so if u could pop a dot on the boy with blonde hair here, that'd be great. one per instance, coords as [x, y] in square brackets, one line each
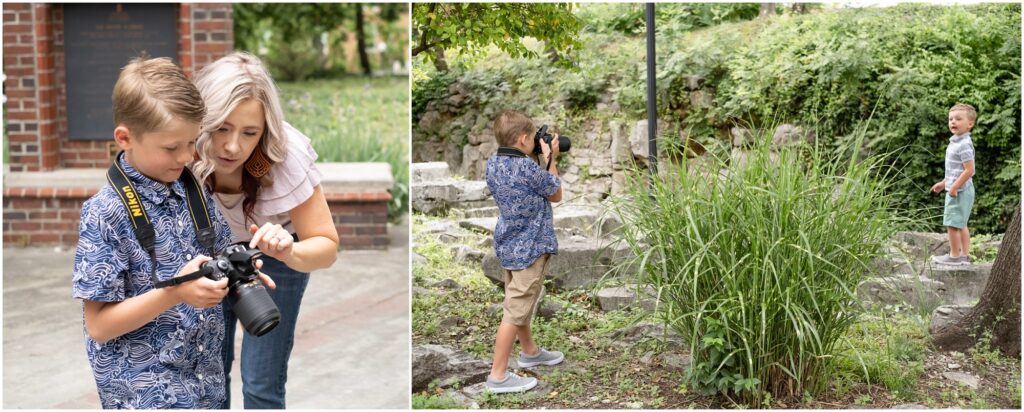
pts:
[151, 346]
[959, 185]
[524, 240]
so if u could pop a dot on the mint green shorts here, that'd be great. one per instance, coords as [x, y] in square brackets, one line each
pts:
[958, 209]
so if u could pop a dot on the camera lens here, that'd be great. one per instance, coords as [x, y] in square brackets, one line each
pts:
[254, 308]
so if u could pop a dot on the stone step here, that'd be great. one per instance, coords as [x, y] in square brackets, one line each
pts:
[436, 197]
[580, 263]
[938, 285]
[962, 283]
[570, 220]
[429, 172]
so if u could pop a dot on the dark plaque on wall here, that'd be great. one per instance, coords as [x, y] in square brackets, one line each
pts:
[99, 39]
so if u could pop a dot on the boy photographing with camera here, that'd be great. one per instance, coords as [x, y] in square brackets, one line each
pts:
[524, 240]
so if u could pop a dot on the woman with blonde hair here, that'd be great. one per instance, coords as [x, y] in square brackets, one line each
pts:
[265, 182]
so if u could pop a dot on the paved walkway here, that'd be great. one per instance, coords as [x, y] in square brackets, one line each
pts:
[351, 349]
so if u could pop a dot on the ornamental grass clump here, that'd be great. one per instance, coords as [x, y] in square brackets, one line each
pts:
[758, 264]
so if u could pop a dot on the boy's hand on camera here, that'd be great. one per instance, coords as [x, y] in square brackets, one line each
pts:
[203, 292]
[555, 148]
[938, 187]
[272, 240]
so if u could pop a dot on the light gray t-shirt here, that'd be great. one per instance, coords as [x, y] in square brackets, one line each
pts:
[294, 180]
[960, 150]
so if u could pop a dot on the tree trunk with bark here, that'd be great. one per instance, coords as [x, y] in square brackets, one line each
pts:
[998, 310]
[364, 61]
[767, 9]
[439, 62]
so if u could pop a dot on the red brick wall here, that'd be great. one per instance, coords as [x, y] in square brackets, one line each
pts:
[360, 219]
[34, 65]
[49, 216]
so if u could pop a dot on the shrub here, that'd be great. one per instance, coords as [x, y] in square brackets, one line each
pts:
[759, 266]
[899, 68]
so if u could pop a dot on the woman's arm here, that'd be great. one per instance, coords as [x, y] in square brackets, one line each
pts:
[318, 247]
[313, 223]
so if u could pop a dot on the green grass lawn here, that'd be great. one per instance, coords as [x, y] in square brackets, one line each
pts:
[356, 119]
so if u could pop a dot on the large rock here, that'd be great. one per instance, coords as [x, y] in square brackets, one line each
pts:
[788, 135]
[946, 315]
[741, 137]
[580, 263]
[701, 99]
[917, 291]
[923, 245]
[447, 365]
[638, 143]
[620, 148]
[622, 297]
[474, 159]
[633, 334]
[694, 82]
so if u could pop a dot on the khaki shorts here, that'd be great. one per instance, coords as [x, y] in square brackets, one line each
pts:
[523, 289]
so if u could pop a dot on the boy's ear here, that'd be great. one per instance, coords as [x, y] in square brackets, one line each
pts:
[524, 139]
[123, 137]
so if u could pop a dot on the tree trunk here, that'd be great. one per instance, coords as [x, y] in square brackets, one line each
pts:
[364, 61]
[439, 62]
[767, 9]
[998, 310]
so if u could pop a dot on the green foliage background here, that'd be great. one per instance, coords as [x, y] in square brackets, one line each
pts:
[893, 72]
[290, 37]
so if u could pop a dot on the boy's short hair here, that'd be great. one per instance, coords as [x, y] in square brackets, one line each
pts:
[971, 113]
[510, 125]
[149, 93]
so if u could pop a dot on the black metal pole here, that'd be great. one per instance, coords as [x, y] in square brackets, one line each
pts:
[652, 101]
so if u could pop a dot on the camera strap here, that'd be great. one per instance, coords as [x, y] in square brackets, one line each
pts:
[144, 232]
[513, 152]
[510, 152]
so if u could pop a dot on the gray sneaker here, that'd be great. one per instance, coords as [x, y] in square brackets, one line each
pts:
[947, 260]
[964, 260]
[542, 358]
[511, 383]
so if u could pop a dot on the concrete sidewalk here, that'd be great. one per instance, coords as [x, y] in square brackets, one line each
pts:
[351, 345]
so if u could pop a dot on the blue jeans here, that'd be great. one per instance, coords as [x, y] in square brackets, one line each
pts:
[265, 359]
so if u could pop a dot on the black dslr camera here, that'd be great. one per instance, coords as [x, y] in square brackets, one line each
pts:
[249, 298]
[543, 136]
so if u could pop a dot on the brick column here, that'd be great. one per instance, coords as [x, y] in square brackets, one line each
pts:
[32, 85]
[213, 35]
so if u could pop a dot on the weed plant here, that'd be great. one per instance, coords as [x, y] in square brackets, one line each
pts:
[758, 264]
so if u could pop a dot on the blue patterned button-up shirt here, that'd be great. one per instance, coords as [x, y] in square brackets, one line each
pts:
[174, 361]
[525, 229]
